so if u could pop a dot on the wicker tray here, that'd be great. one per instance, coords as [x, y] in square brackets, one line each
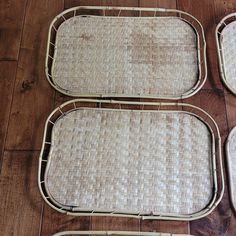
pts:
[231, 160]
[127, 233]
[226, 45]
[97, 51]
[150, 164]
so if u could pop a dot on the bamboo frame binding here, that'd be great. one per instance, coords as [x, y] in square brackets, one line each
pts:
[75, 104]
[231, 171]
[131, 233]
[226, 21]
[192, 21]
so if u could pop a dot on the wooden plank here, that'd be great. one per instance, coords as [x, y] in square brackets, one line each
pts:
[115, 223]
[73, 3]
[158, 3]
[33, 96]
[21, 204]
[7, 79]
[204, 11]
[53, 222]
[165, 226]
[223, 8]
[230, 225]
[130, 3]
[230, 100]
[217, 223]
[11, 24]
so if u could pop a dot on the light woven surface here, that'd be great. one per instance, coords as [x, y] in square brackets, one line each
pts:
[114, 233]
[130, 161]
[232, 164]
[123, 55]
[228, 44]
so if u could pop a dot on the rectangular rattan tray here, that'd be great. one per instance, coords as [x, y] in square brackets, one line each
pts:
[226, 45]
[100, 52]
[148, 163]
[116, 233]
[231, 161]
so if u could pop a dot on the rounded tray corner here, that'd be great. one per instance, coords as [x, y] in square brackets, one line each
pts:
[224, 63]
[231, 164]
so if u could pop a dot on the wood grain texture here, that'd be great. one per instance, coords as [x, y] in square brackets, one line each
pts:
[165, 226]
[33, 96]
[21, 204]
[53, 222]
[230, 100]
[114, 223]
[73, 3]
[158, 3]
[223, 8]
[11, 24]
[7, 79]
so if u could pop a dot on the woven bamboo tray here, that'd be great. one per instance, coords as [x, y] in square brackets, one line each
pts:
[231, 161]
[115, 159]
[100, 52]
[131, 233]
[226, 46]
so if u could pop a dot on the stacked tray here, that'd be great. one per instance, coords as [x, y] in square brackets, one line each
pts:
[231, 161]
[118, 158]
[116, 233]
[226, 45]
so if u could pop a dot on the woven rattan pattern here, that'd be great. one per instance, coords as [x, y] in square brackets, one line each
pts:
[130, 160]
[232, 164]
[124, 55]
[228, 44]
[116, 233]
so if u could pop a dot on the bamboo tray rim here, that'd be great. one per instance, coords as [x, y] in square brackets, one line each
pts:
[134, 233]
[223, 24]
[201, 49]
[216, 146]
[230, 171]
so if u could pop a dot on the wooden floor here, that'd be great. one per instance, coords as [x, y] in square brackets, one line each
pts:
[27, 99]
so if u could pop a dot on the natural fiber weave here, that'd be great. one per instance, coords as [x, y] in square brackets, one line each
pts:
[126, 233]
[231, 156]
[138, 161]
[132, 56]
[228, 45]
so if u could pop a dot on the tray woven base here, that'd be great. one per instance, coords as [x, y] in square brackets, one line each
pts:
[126, 56]
[116, 233]
[231, 159]
[228, 44]
[130, 161]
[226, 47]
